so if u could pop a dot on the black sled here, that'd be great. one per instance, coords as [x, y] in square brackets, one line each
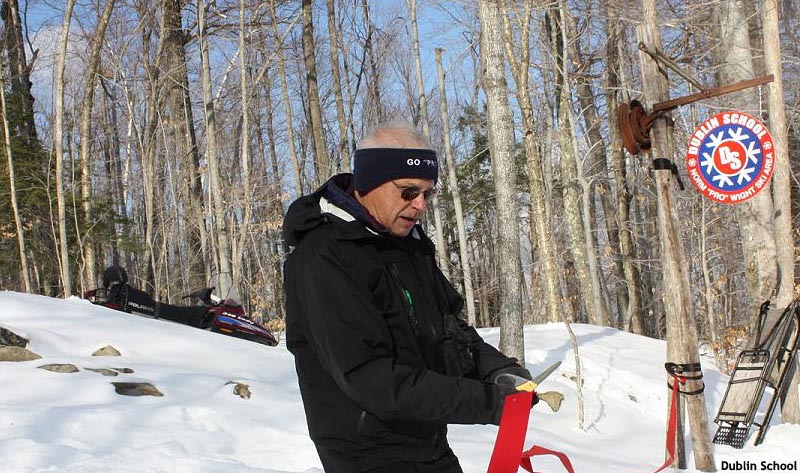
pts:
[208, 312]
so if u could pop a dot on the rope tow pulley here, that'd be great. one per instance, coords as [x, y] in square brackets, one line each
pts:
[635, 122]
[634, 127]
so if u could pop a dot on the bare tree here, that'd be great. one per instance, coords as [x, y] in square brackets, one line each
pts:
[441, 241]
[66, 276]
[374, 80]
[223, 256]
[179, 118]
[575, 188]
[287, 104]
[344, 141]
[781, 186]
[463, 243]
[754, 216]
[321, 160]
[238, 263]
[500, 126]
[540, 222]
[631, 312]
[90, 83]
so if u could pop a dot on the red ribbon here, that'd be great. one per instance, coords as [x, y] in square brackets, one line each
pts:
[537, 450]
[507, 456]
[672, 423]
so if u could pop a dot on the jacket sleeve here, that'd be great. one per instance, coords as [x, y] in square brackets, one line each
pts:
[343, 322]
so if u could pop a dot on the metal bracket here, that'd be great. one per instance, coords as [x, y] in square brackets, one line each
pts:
[635, 122]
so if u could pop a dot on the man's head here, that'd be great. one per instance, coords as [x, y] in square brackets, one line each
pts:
[395, 172]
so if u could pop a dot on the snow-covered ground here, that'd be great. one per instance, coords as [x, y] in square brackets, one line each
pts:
[75, 422]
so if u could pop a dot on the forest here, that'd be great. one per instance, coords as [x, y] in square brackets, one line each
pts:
[170, 136]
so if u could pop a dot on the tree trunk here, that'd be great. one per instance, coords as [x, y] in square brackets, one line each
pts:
[575, 188]
[596, 175]
[315, 111]
[238, 263]
[66, 276]
[678, 303]
[441, 241]
[463, 244]
[220, 228]
[114, 169]
[277, 246]
[781, 186]
[344, 142]
[148, 157]
[631, 313]
[709, 294]
[540, 221]
[90, 83]
[374, 82]
[181, 128]
[754, 216]
[500, 126]
[287, 104]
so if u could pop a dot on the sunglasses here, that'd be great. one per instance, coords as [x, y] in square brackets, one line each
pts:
[409, 193]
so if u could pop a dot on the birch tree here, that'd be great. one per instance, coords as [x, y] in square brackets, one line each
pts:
[89, 85]
[500, 126]
[216, 191]
[63, 246]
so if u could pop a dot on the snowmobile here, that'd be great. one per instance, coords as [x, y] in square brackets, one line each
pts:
[204, 310]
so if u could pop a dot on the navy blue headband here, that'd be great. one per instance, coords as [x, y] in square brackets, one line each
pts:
[374, 166]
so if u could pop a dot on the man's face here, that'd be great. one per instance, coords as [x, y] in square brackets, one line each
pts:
[398, 204]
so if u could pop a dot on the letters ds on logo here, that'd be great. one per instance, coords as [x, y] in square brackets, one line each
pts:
[730, 157]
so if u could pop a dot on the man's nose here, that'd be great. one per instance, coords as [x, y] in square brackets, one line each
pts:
[419, 202]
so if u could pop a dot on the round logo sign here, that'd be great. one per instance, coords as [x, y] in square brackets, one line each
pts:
[730, 157]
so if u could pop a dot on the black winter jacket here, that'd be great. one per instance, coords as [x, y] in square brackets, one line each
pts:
[383, 361]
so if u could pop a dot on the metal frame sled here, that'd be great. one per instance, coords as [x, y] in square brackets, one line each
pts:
[768, 365]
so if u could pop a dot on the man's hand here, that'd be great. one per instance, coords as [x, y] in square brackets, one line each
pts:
[515, 379]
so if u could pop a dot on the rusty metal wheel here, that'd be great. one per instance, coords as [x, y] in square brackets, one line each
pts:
[634, 127]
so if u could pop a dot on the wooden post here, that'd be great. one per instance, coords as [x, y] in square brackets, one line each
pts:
[681, 332]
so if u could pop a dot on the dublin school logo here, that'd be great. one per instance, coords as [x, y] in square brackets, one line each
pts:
[730, 157]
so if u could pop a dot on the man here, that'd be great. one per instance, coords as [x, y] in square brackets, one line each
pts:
[383, 361]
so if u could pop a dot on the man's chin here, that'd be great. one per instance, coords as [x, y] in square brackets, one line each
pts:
[403, 227]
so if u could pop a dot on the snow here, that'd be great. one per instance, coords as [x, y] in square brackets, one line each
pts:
[59, 422]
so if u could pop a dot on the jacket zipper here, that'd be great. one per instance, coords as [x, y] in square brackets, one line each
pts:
[412, 313]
